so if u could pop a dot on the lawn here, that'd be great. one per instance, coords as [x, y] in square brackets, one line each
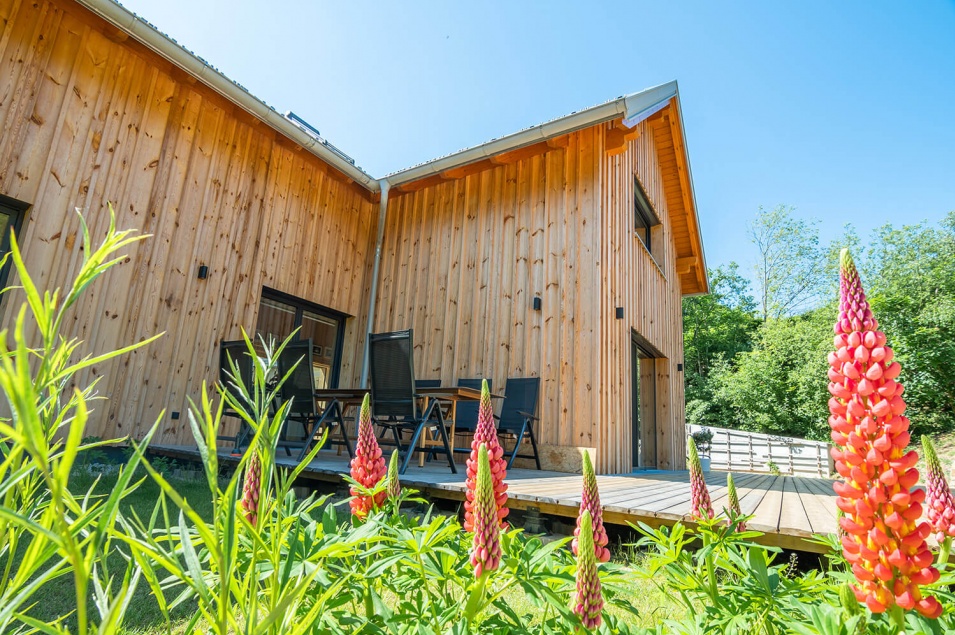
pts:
[143, 617]
[57, 598]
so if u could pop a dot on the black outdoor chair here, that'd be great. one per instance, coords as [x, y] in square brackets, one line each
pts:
[518, 416]
[295, 360]
[466, 413]
[394, 402]
[238, 352]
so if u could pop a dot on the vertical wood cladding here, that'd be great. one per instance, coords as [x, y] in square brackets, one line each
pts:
[86, 119]
[89, 116]
[650, 293]
[463, 260]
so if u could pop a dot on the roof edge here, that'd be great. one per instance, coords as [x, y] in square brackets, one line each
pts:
[634, 108]
[150, 37]
[703, 272]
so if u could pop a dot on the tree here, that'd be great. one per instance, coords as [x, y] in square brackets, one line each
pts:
[912, 274]
[769, 375]
[717, 327]
[790, 265]
[780, 386]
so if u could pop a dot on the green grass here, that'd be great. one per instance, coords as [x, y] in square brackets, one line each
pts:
[143, 617]
[58, 597]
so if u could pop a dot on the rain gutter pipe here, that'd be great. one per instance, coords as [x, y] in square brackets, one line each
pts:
[384, 188]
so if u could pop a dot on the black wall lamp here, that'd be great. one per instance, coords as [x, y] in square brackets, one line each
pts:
[203, 272]
[679, 368]
[619, 312]
[537, 303]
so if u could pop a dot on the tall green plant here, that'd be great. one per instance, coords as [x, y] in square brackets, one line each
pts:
[269, 573]
[45, 531]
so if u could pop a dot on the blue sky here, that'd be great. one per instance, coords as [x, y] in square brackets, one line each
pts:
[845, 110]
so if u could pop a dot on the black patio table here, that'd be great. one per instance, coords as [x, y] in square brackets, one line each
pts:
[337, 401]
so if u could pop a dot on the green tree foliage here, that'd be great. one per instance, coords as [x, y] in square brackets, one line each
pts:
[780, 386]
[717, 327]
[769, 375]
[911, 276]
[790, 264]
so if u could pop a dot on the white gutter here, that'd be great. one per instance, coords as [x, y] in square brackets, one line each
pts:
[384, 187]
[634, 108]
[147, 35]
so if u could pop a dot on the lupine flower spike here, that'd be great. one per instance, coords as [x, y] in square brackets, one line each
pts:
[251, 488]
[367, 466]
[486, 545]
[394, 481]
[734, 502]
[588, 602]
[941, 503]
[883, 542]
[486, 433]
[700, 504]
[590, 501]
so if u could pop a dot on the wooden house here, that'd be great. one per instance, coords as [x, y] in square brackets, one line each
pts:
[561, 251]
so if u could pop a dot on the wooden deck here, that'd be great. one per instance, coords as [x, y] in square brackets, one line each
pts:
[789, 510]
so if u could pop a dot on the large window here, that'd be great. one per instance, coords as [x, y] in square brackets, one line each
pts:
[280, 314]
[646, 223]
[12, 212]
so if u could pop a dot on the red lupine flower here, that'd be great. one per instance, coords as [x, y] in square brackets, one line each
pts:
[590, 501]
[734, 502]
[486, 433]
[367, 466]
[700, 504]
[883, 542]
[588, 602]
[251, 488]
[486, 545]
[941, 503]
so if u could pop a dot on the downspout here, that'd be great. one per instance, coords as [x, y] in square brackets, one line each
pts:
[382, 213]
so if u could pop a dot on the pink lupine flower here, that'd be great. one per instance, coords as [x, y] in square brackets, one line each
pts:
[883, 541]
[590, 501]
[941, 503]
[734, 502]
[486, 433]
[486, 545]
[367, 466]
[700, 504]
[588, 601]
[251, 488]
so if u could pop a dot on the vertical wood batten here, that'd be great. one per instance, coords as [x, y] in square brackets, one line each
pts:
[652, 307]
[85, 120]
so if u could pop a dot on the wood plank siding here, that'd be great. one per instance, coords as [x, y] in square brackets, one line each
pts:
[463, 260]
[89, 116]
[91, 112]
[464, 257]
[649, 291]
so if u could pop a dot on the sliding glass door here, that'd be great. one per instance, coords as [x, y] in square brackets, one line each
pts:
[280, 314]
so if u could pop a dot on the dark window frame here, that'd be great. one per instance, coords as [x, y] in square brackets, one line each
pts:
[301, 305]
[644, 216]
[18, 212]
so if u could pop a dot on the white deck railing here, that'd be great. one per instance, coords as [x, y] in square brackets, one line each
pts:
[740, 451]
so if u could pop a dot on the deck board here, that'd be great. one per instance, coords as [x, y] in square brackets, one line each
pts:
[792, 511]
[789, 510]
